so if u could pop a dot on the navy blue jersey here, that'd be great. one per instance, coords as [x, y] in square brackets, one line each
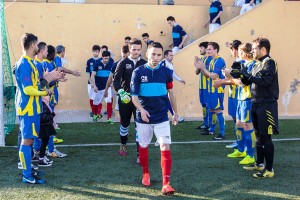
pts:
[102, 74]
[90, 66]
[150, 85]
[177, 34]
[214, 10]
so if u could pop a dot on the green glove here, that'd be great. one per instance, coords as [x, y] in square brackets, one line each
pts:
[125, 96]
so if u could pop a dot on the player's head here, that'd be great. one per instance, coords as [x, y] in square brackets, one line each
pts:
[96, 50]
[135, 48]
[51, 53]
[260, 47]
[245, 51]
[104, 48]
[61, 50]
[105, 57]
[29, 43]
[42, 50]
[212, 49]
[124, 51]
[168, 54]
[154, 54]
[145, 37]
[171, 21]
[203, 46]
[127, 40]
[234, 47]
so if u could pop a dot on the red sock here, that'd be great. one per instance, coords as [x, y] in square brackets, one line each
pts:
[109, 110]
[94, 109]
[144, 159]
[166, 165]
[91, 104]
[99, 108]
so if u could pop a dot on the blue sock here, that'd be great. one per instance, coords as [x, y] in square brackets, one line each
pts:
[221, 121]
[212, 122]
[250, 142]
[36, 144]
[25, 158]
[51, 144]
[205, 115]
[240, 139]
[235, 128]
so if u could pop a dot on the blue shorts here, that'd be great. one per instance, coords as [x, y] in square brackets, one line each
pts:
[244, 111]
[29, 126]
[215, 101]
[232, 106]
[203, 93]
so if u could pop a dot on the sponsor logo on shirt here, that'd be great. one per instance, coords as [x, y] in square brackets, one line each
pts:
[128, 66]
[144, 78]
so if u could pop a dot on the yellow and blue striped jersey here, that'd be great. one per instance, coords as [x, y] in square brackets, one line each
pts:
[215, 66]
[27, 75]
[244, 92]
[203, 81]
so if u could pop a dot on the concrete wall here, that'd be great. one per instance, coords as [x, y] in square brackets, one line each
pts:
[79, 26]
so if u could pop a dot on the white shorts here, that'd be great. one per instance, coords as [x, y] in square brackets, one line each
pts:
[98, 97]
[90, 91]
[175, 50]
[213, 27]
[246, 8]
[145, 133]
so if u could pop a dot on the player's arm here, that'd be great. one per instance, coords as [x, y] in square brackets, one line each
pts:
[93, 82]
[173, 102]
[68, 71]
[108, 84]
[201, 66]
[176, 77]
[118, 75]
[198, 71]
[184, 38]
[216, 18]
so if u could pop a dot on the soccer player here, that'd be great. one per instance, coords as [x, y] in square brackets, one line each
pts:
[203, 89]
[168, 55]
[89, 68]
[146, 39]
[121, 82]
[215, 12]
[215, 95]
[179, 36]
[99, 78]
[127, 40]
[28, 104]
[105, 48]
[244, 132]
[150, 85]
[265, 93]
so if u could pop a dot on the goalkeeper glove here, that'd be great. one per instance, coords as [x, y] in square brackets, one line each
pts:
[125, 96]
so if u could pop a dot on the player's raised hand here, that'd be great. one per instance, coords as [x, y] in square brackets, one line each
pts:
[218, 83]
[175, 119]
[53, 75]
[145, 115]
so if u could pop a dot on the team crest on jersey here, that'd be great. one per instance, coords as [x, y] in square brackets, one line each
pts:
[144, 78]
[91, 64]
[128, 66]
[100, 67]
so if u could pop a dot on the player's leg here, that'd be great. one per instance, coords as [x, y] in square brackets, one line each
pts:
[163, 135]
[219, 111]
[98, 105]
[145, 134]
[109, 104]
[232, 110]
[91, 94]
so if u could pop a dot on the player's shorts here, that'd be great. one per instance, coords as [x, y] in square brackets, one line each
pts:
[29, 126]
[203, 96]
[243, 111]
[215, 101]
[162, 133]
[175, 50]
[213, 27]
[98, 97]
[265, 118]
[232, 106]
[90, 91]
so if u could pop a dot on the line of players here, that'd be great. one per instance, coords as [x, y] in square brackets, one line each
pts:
[253, 67]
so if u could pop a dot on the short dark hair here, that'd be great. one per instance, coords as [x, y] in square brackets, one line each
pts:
[104, 47]
[96, 47]
[203, 44]
[27, 39]
[41, 46]
[105, 54]
[135, 41]
[214, 45]
[51, 53]
[125, 49]
[167, 52]
[145, 35]
[170, 18]
[127, 38]
[156, 45]
[247, 48]
[263, 42]
[235, 44]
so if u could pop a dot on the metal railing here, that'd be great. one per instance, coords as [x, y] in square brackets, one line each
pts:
[143, 2]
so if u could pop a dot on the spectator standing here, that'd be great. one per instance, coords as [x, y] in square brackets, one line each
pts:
[178, 34]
